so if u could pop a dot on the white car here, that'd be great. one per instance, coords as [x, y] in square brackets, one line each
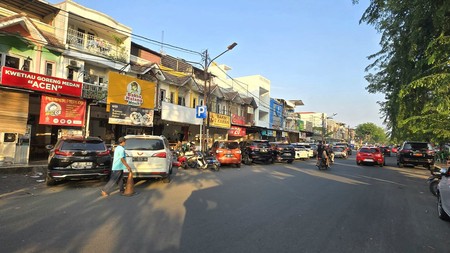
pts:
[301, 152]
[149, 156]
[307, 147]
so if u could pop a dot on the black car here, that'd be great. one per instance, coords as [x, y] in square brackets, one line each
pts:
[415, 153]
[256, 150]
[282, 152]
[78, 158]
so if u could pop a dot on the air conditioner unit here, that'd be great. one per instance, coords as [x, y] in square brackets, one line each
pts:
[73, 63]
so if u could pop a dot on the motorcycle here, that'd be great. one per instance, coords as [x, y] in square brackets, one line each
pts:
[198, 160]
[433, 181]
[323, 164]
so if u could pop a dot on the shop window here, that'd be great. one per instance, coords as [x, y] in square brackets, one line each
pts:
[26, 64]
[101, 80]
[70, 73]
[49, 68]
[162, 95]
[172, 95]
[80, 37]
[201, 102]
[12, 62]
[181, 101]
[194, 102]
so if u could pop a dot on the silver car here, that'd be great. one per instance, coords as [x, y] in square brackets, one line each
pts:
[149, 156]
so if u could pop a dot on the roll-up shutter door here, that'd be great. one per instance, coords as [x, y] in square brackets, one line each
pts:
[13, 112]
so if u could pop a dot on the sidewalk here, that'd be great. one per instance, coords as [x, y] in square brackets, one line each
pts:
[32, 166]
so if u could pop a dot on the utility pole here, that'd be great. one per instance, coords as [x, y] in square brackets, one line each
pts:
[207, 89]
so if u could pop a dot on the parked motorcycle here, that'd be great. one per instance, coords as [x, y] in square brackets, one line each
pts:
[433, 181]
[198, 160]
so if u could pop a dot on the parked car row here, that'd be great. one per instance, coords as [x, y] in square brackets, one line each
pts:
[74, 158]
[151, 156]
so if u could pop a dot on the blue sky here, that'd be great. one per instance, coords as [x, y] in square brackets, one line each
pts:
[313, 50]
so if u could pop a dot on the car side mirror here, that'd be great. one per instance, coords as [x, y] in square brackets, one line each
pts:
[49, 147]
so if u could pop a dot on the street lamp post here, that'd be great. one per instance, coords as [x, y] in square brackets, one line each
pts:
[208, 90]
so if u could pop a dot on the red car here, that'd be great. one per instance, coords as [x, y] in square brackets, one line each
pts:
[394, 149]
[371, 155]
[227, 152]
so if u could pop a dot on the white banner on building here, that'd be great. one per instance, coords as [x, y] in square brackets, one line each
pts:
[178, 113]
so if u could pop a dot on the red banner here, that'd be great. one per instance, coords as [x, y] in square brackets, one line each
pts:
[32, 81]
[237, 131]
[61, 111]
[237, 120]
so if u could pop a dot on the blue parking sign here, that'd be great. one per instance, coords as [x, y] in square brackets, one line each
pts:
[200, 112]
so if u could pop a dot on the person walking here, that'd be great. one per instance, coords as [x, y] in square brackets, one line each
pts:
[119, 164]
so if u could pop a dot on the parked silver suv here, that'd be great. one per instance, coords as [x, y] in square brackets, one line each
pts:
[149, 156]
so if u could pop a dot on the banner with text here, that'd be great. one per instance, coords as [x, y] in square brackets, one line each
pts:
[32, 81]
[219, 120]
[130, 115]
[237, 131]
[60, 111]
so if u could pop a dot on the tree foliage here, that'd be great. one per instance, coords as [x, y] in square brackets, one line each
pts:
[412, 69]
[370, 133]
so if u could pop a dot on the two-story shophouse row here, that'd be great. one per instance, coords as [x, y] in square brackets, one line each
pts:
[63, 73]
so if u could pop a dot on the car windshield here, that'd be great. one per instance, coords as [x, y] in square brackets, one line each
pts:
[229, 145]
[261, 144]
[284, 146]
[144, 144]
[368, 150]
[416, 146]
[93, 145]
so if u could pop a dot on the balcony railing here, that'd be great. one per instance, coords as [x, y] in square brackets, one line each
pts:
[95, 92]
[96, 45]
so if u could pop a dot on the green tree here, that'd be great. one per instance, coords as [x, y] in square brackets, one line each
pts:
[412, 68]
[370, 133]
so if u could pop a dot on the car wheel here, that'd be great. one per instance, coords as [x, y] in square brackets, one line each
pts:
[105, 179]
[381, 164]
[238, 165]
[166, 179]
[290, 161]
[358, 163]
[171, 170]
[49, 181]
[441, 213]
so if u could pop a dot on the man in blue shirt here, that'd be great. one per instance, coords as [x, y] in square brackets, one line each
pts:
[119, 165]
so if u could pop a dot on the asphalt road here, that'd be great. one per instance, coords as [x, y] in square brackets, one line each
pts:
[258, 208]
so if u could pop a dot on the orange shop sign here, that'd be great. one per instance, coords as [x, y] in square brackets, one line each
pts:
[127, 90]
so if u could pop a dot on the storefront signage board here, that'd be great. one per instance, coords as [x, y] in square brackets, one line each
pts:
[237, 131]
[128, 90]
[178, 113]
[219, 120]
[37, 82]
[130, 115]
[61, 111]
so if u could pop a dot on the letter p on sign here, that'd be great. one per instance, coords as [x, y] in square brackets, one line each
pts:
[200, 112]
